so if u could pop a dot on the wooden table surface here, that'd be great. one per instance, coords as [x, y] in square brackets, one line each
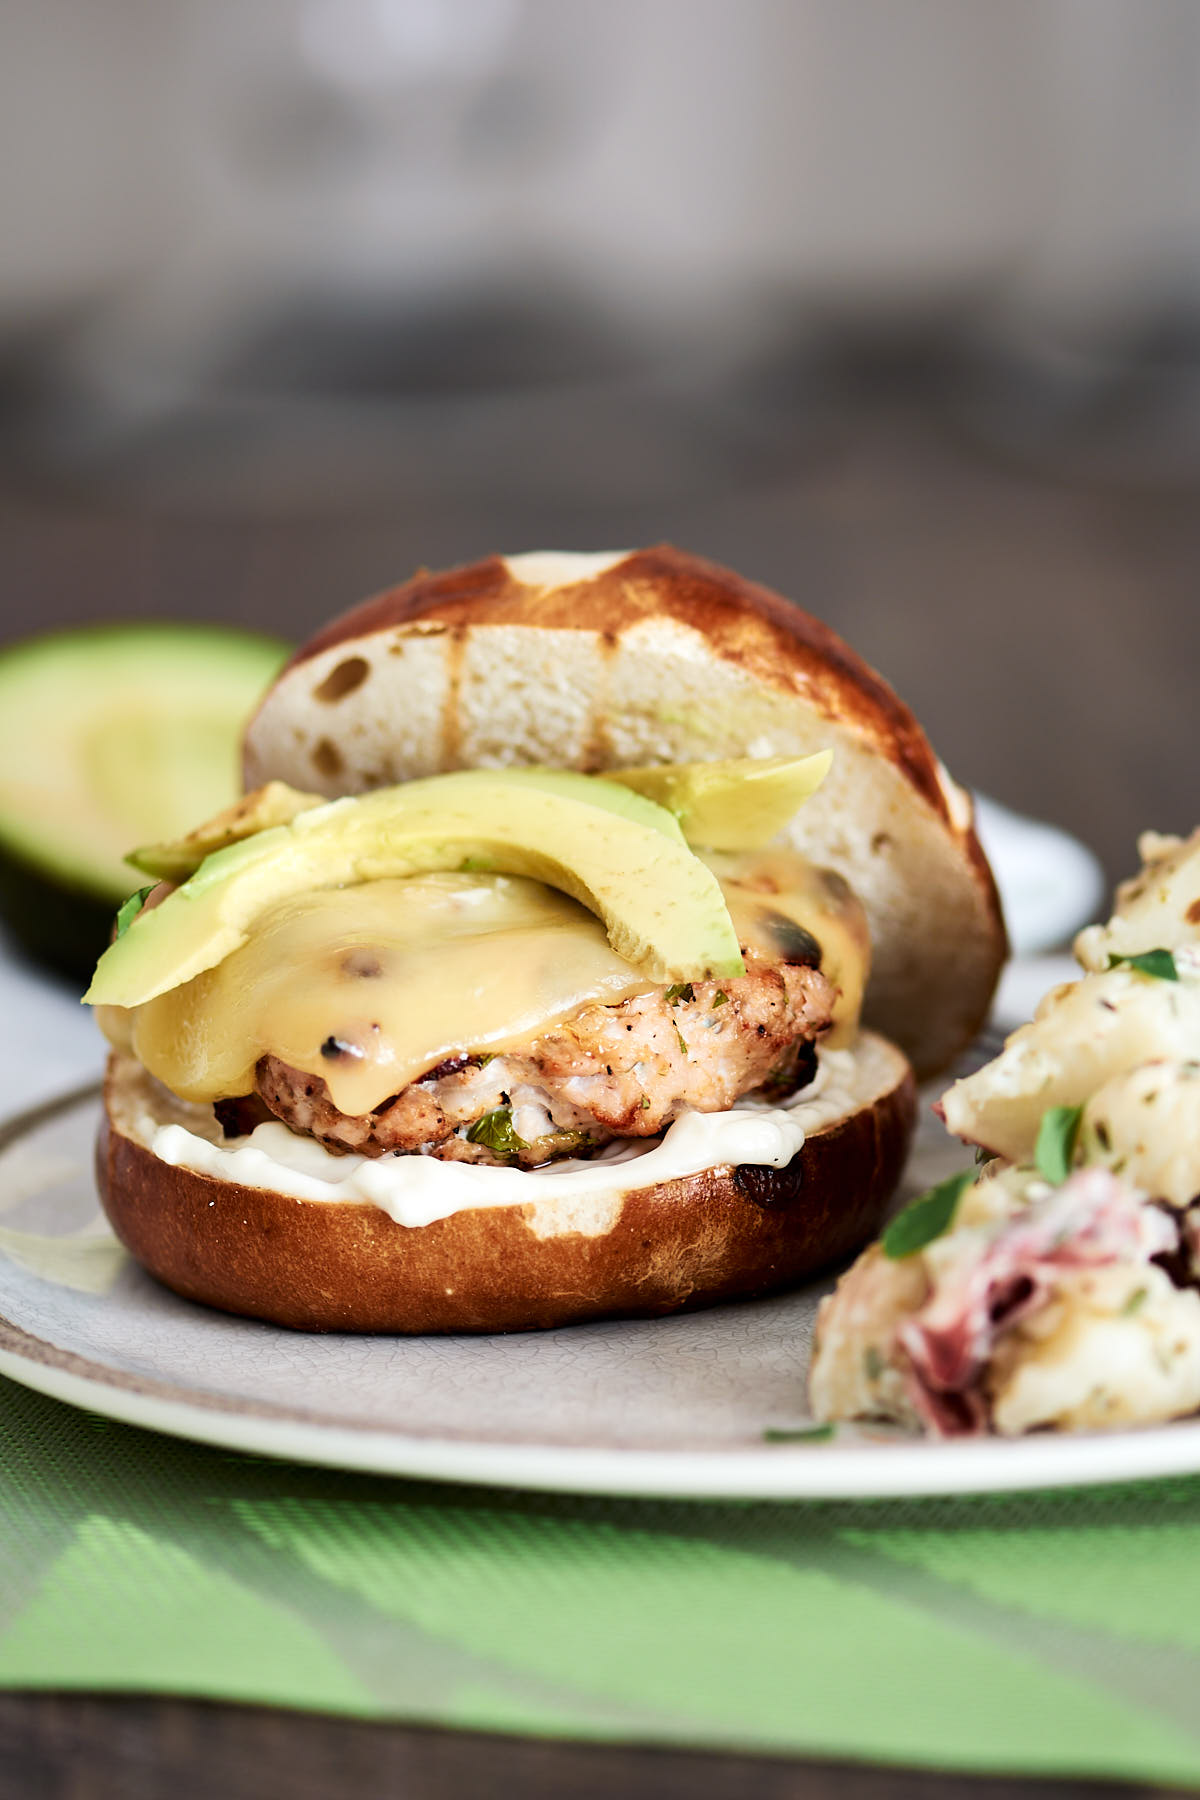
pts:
[1047, 634]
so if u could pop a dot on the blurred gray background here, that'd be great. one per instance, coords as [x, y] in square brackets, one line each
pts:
[892, 304]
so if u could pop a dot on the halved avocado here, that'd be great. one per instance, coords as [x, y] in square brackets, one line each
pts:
[112, 736]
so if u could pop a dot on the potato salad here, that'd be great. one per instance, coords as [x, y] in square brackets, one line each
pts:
[1055, 1285]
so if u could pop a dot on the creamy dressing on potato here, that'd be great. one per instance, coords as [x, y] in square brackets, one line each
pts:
[1144, 1125]
[1115, 1347]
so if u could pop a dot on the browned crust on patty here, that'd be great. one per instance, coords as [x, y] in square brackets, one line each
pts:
[316, 1266]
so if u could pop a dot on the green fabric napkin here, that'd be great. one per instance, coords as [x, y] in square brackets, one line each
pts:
[1051, 1633]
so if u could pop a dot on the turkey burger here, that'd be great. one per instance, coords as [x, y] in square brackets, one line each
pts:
[526, 984]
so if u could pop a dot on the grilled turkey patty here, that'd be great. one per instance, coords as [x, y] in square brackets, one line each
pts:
[611, 1071]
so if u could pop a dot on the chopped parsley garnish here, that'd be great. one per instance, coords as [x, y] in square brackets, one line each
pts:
[1057, 1136]
[1160, 963]
[129, 909]
[495, 1132]
[926, 1217]
[682, 1041]
[476, 865]
[680, 990]
[1135, 1302]
[807, 1434]
[720, 998]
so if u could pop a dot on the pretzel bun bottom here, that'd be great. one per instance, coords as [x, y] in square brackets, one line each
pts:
[723, 1234]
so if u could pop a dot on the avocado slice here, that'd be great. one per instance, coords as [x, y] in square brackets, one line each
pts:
[599, 790]
[613, 850]
[278, 804]
[260, 810]
[108, 736]
[739, 804]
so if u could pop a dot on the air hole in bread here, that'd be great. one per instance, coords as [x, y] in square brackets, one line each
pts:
[327, 759]
[344, 679]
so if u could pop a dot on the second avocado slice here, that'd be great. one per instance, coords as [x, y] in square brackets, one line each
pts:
[178, 858]
[735, 805]
[613, 850]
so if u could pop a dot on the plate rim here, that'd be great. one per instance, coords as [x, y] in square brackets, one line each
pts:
[800, 1471]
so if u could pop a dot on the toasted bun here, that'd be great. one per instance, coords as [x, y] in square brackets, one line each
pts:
[346, 1266]
[606, 662]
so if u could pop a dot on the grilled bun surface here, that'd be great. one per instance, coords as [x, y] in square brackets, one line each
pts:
[604, 662]
[344, 1265]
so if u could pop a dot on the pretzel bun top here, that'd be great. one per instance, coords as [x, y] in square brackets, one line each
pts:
[610, 661]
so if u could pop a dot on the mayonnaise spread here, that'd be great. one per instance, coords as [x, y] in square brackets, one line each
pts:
[417, 1190]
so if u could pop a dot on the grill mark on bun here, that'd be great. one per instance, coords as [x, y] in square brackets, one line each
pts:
[451, 720]
[597, 750]
[447, 597]
[755, 1184]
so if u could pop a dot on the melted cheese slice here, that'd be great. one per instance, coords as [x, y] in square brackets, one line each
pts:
[370, 987]
[770, 893]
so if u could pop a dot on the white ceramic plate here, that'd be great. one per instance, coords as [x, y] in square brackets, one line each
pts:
[673, 1406]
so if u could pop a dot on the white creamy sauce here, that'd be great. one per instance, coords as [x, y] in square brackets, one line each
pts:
[417, 1190]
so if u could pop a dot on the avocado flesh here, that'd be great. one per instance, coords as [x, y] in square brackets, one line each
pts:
[735, 805]
[261, 810]
[118, 735]
[110, 735]
[662, 908]
[278, 804]
[603, 791]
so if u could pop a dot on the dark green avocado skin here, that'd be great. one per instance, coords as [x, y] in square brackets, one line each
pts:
[63, 927]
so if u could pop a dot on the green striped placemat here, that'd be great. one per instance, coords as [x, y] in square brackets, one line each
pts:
[1056, 1632]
